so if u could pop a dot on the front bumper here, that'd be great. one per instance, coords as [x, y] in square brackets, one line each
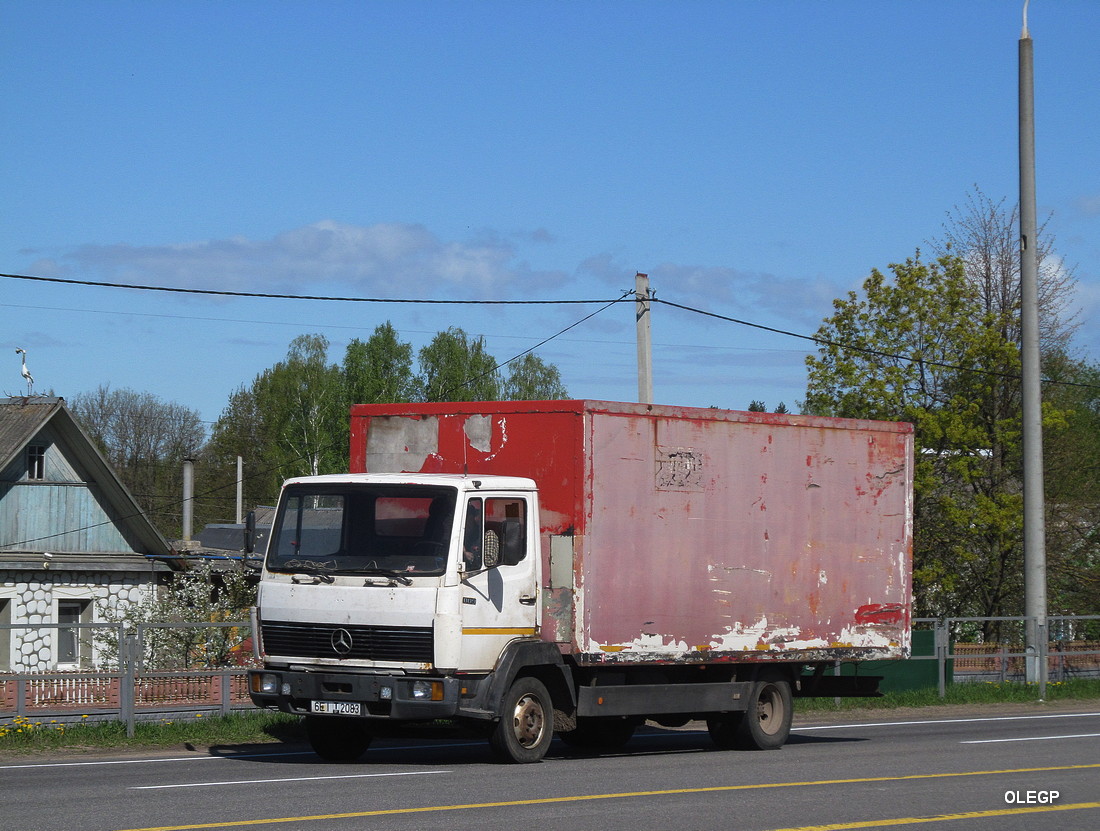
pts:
[388, 697]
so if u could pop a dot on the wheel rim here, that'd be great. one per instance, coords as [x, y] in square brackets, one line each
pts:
[528, 721]
[769, 710]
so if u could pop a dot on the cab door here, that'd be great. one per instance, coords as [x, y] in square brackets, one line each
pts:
[499, 589]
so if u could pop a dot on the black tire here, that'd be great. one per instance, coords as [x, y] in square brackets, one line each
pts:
[600, 733]
[337, 739]
[723, 729]
[526, 727]
[767, 721]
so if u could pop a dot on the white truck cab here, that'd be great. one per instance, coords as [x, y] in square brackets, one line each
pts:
[394, 596]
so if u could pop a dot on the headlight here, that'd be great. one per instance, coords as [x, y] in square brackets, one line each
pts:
[265, 682]
[427, 690]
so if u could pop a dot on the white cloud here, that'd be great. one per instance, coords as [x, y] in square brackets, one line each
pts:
[1089, 205]
[386, 260]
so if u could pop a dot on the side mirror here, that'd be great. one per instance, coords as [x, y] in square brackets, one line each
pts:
[490, 550]
[250, 533]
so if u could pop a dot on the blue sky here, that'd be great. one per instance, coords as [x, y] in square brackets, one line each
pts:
[756, 159]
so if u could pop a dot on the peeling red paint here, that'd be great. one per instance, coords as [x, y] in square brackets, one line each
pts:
[890, 614]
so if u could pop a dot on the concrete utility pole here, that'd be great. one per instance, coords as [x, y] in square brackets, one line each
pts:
[188, 498]
[645, 344]
[240, 490]
[1035, 566]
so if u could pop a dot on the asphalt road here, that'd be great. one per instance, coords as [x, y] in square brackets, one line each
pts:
[1032, 769]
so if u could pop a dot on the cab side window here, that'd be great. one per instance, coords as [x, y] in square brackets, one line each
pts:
[506, 518]
[495, 533]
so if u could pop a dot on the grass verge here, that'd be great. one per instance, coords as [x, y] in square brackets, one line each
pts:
[960, 694]
[248, 727]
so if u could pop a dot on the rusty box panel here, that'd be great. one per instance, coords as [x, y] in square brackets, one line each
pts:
[698, 535]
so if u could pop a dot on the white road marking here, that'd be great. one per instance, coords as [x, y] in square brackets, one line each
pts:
[193, 758]
[289, 779]
[1032, 738]
[941, 721]
[199, 757]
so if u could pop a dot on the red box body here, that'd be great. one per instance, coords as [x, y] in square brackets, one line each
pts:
[675, 534]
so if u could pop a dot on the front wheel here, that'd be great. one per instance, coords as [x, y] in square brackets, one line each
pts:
[526, 726]
[337, 739]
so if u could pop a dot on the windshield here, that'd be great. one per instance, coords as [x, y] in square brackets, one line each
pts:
[362, 529]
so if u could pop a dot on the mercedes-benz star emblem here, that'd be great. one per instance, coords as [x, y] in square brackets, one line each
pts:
[341, 641]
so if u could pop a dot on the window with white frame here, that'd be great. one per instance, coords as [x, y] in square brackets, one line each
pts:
[36, 461]
[74, 645]
[5, 635]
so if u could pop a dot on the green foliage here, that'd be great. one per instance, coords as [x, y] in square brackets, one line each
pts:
[239, 431]
[454, 367]
[379, 370]
[532, 379]
[301, 404]
[1072, 482]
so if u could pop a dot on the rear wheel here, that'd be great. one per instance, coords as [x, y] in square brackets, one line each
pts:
[526, 727]
[337, 739]
[767, 721]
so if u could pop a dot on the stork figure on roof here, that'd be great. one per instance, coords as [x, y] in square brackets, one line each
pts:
[26, 373]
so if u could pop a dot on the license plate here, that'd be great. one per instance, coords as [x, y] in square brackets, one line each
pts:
[336, 708]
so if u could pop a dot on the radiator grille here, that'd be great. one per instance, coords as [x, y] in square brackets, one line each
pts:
[403, 644]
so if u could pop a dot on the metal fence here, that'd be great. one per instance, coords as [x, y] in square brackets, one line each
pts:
[114, 672]
[995, 649]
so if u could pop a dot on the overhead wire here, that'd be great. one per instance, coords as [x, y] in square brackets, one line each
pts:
[274, 296]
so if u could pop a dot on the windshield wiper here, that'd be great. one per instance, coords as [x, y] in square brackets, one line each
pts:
[384, 572]
[321, 570]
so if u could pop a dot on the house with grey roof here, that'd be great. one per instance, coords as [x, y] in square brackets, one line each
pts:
[73, 540]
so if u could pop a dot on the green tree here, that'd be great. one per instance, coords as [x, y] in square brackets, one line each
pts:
[301, 406]
[239, 431]
[1071, 456]
[454, 367]
[532, 379]
[921, 347]
[380, 369]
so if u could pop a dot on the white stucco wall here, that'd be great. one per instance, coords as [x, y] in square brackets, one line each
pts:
[29, 603]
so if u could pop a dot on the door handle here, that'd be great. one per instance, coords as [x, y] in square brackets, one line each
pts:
[527, 600]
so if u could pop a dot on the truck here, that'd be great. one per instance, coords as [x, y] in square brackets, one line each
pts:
[578, 568]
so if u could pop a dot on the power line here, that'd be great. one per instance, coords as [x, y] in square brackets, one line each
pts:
[220, 293]
[867, 350]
